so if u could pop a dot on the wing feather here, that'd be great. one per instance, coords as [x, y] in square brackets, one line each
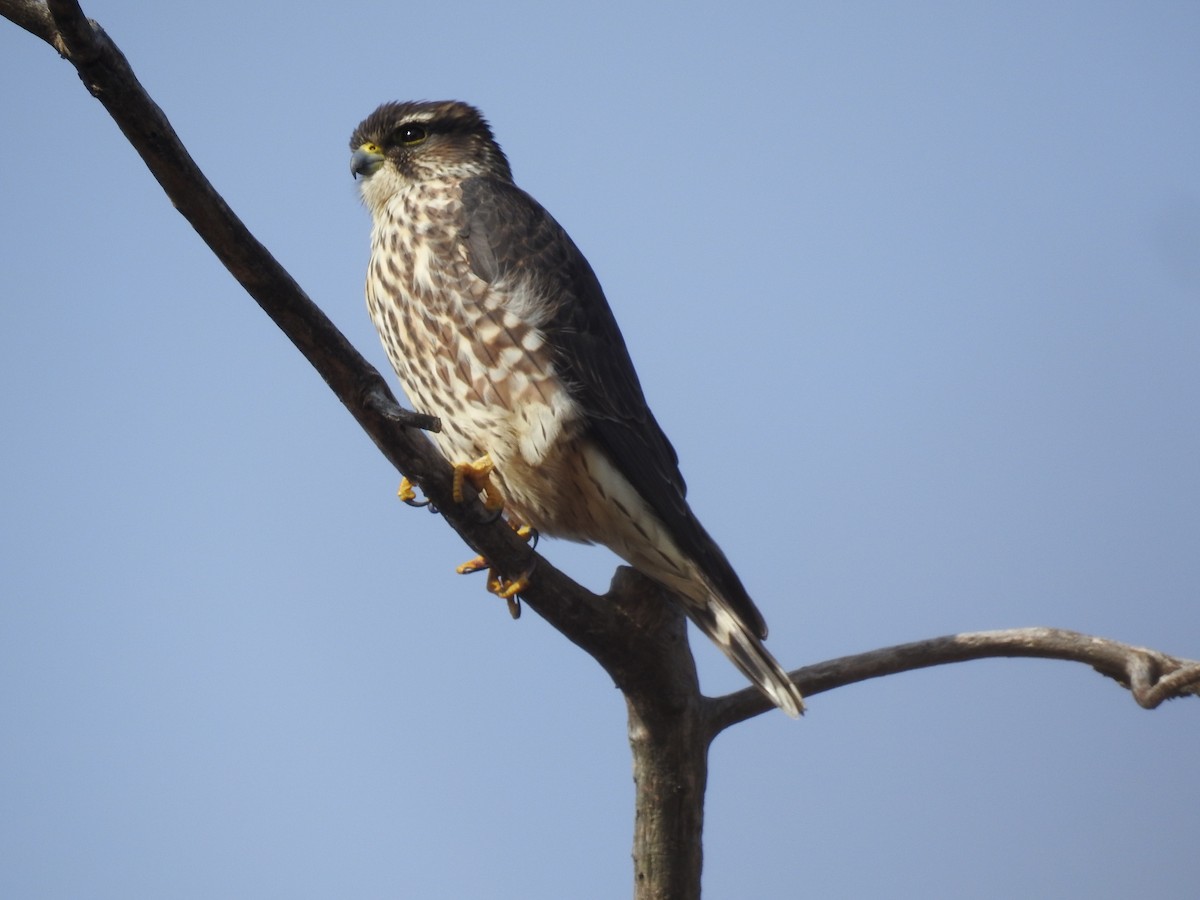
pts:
[508, 234]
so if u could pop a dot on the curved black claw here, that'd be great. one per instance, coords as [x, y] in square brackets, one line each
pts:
[491, 515]
[408, 494]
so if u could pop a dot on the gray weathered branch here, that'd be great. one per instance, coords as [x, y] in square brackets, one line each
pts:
[1151, 676]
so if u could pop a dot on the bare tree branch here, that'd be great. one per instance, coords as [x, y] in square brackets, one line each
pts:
[1151, 676]
[634, 632]
[108, 77]
[637, 637]
[34, 17]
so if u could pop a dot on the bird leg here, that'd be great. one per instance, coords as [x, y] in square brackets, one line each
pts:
[508, 590]
[405, 491]
[497, 584]
[408, 495]
[479, 474]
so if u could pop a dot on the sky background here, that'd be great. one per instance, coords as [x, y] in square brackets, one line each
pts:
[913, 288]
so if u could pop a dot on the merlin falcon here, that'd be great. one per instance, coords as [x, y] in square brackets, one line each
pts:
[495, 323]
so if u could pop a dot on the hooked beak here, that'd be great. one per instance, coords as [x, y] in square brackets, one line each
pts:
[365, 160]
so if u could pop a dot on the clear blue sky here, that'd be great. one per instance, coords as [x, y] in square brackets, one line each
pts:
[914, 289]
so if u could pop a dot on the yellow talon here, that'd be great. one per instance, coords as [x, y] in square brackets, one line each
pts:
[497, 584]
[471, 565]
[406, 492]
[510, 590]
[478, 473]
[478, 563]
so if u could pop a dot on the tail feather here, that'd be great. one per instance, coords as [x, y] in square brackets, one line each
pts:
[683, 558]
[744, 649]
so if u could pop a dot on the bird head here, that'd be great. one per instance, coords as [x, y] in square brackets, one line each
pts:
[406, 143]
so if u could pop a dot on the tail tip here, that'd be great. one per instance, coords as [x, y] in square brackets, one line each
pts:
[783, 693]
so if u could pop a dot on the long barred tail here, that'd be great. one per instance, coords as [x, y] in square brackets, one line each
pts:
[745, 650]
[685, 560]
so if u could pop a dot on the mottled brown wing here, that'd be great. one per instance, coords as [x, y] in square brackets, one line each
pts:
[508, 234]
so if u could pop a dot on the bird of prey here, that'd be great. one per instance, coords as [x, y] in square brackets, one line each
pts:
[495, 322]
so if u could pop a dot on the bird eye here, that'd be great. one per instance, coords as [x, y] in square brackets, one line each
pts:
[410, 135]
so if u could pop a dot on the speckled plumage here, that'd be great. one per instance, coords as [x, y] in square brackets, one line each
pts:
[495, 322]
